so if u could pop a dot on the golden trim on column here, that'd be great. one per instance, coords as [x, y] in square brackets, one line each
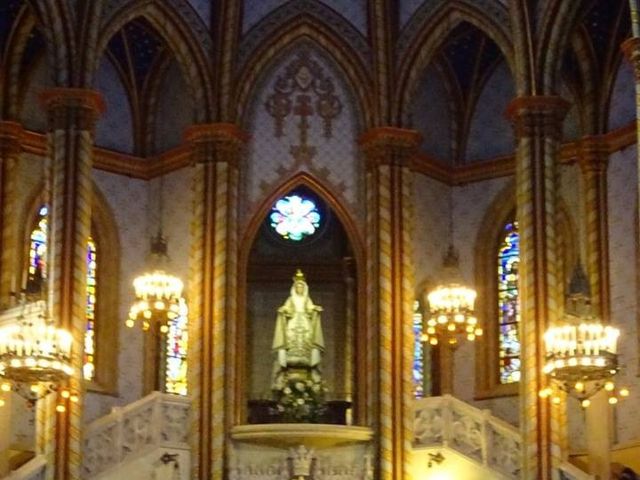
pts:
[215, 150]
[10, 151]
[388, 152]
[537, 123]
[593, 161]
[72, 117]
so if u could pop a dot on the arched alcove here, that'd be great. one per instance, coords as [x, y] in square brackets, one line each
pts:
[329, 260]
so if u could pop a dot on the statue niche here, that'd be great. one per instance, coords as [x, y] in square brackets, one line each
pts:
[298, 345]
[298, 342]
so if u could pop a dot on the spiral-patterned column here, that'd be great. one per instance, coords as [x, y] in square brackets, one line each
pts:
[593, 161]
[538, 126]
[72, 116]
[389, 152]
[10, 150]
[216, 149]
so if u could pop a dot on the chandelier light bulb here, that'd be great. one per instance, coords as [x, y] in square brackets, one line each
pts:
[585, 403]
[624, 392]
[613, 400]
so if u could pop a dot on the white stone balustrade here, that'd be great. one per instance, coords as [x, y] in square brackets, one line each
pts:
[571, 472]
[34, 469]
[448, 422]
[158, 420]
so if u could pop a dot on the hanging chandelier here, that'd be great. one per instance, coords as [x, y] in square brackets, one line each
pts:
[451, 306]
[158, 293]
[35, 356]
[581, 357]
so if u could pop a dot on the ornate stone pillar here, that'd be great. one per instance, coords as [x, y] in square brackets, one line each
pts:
[538, 126]
[593, 160]
[10, 150]
[216, 150]
[388, 152]
[72, 117]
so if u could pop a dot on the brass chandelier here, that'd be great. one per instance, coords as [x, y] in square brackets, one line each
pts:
[35, 356]
[451, 303]
[158, 293]
[581, 357]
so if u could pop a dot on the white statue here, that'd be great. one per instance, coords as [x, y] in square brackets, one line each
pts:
[298, 341]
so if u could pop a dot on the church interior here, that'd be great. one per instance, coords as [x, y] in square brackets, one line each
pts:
[319, 239]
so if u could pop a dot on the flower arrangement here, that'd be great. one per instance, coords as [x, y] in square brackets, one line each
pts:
[301, 401]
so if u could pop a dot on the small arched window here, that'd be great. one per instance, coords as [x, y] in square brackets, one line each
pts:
[509, 304]
[37, 274]
[175, 354]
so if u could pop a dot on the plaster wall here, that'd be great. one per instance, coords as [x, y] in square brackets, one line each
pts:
[470, 206]
[127, 199]
[431, 115]
[270, 160]
[115, 128]
[31, 114]
[491, 133]
[174, 110]
[622, 107]
[623, 265]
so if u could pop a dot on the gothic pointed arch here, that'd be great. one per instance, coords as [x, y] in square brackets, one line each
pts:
[186, 36]
[252, 232]
[57, 24]
[13, 54]
[103, 316]
[332, 199]
[496, 241]
[418, 51]
[305, 30]
[558, 20]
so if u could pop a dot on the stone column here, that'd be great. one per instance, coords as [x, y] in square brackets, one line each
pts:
[593, 160]
[216, 149]
[538, 126]
[72, 117]
[388, 153]
[10, 150]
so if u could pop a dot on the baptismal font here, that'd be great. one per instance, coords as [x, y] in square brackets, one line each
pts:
[298, 346]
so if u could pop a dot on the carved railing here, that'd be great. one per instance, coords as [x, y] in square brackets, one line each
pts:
[34, 469]
[158, 420]
[567, 471]
[448, 422]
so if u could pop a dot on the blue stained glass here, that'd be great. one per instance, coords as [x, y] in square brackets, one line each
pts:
[508, 305]
[418, 353]
[176, 354]
[294, 217]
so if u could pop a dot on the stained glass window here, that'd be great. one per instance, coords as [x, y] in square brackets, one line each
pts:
[508, 304]
[89, 367]
[295, 217]
[418, 352]
[37, 271]
[176, 354]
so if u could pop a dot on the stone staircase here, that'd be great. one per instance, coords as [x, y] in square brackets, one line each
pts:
[34, 469]
[149, 439]
[491, 445]
[145, 437]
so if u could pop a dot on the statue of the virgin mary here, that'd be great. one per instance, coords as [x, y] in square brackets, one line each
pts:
[298, 342]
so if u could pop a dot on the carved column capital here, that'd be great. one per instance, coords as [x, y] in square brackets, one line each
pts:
[538, 114]
[216, 142]
[77, 107]
[389, 146]
[631, 51]
[593, 154]
[10, 138]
